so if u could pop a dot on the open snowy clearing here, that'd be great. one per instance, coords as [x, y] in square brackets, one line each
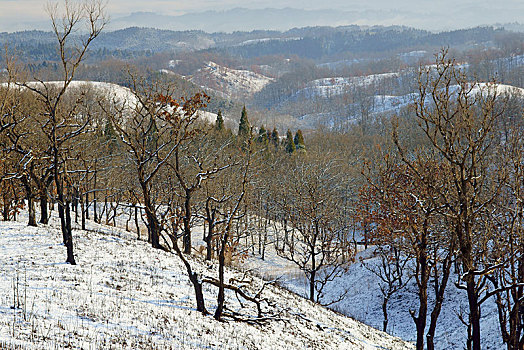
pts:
[124, 294]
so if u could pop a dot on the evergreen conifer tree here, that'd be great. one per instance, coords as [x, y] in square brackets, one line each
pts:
[299, 141]
[219, 124]
[275, 138]
[244, 128]
[262, 135]
[290, 145]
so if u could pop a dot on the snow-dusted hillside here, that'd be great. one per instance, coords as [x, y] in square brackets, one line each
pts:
[125, 295]
[363, 301]
[116, 93]
[110, 90]
[389, 104]
[265, 40]
[328, 87]
[231, 82]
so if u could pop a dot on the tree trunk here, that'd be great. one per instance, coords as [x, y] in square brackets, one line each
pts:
[420, 321]
[75, 205]
[65, 223]
[439, 299]
[5, 211]
[69, 242]
[474, 310]
[199, 295]
[152, 221]
[422, 282]
[313, 274]
[136, 222]
[82, 209]
[106, 210]
[193, 277]
[312, 277]
[208, 240]
[87, 205]
[385, 313]
[187, 223]
[30, 202]
[5, 207]
[221, 263]
[63, 211]
[44, 214]
[32, 213]
[95, 213]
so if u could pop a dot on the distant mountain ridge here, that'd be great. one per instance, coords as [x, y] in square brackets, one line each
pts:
[310, 42]
[437, 18]
[429, 15]
[238, 19]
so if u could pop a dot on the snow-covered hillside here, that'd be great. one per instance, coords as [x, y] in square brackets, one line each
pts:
[124, 294]
[328, 87]
[116, 93]
[265, 40]
[388, 104]
[231, 82]
[110, 90]
[363, 301]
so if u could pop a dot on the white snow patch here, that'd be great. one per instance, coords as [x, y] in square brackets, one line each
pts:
[263, 40]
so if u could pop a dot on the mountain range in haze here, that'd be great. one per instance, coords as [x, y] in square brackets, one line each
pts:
[430, 17]
[242, 19]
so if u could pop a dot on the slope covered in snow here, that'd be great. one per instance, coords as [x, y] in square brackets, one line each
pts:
[328, 87]
[389, 104]
[116, 93]
[231, 82]
[362, 300]
[124, 294]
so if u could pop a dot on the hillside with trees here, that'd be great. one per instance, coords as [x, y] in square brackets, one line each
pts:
[372, 175]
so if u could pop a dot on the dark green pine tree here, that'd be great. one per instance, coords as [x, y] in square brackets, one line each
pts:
[290, 145]
[262, 136]
[299, 141]
[219, 124]
[244, 128]
[275, 140]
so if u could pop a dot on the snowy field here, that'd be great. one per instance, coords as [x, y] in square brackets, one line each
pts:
[123, 294]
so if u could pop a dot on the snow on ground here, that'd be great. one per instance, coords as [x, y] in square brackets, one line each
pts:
[118, 94]
[339, 64]
[124, 294]
[328, 87]
[231, 82]
[110, 90]
[389, 104]
[265, 40]
[363, 301]
[362, 287]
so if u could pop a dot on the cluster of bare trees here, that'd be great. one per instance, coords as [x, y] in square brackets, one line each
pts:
[454, 203]
[91, 152]
[95, 153]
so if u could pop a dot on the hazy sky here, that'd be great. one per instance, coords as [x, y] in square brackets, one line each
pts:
[23, 14]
